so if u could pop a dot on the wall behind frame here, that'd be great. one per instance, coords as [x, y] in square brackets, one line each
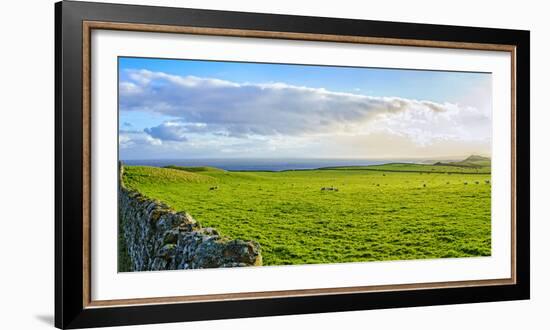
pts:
[26, 169]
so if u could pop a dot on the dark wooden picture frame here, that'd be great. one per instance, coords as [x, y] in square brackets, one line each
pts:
[74, 22]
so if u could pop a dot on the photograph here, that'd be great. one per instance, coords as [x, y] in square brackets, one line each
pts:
[234, 164]
[217, 164]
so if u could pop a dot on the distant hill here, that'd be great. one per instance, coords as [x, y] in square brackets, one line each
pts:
[212, 172]
[195, 168]
[476, 158]
[473, 161]
[159, 176]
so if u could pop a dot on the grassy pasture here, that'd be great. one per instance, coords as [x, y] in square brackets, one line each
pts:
[423, 168]
[384, 212]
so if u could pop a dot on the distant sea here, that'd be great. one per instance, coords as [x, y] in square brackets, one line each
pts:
[263, 164]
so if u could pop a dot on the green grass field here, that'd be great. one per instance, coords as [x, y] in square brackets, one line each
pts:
[383, 212]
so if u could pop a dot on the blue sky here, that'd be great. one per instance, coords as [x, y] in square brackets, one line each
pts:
[206, 109]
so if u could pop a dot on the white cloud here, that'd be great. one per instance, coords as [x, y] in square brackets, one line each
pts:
[128, 139]
[275, 116]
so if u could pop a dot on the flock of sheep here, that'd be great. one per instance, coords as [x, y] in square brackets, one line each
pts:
[332, 188]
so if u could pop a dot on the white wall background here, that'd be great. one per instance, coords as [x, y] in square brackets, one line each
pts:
[27, 168]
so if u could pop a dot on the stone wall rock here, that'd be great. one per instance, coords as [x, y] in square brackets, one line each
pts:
[158, 238]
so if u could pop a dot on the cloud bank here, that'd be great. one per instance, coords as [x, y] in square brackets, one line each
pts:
[218, 115]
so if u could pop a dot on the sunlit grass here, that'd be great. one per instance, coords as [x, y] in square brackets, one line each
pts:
[385, 212]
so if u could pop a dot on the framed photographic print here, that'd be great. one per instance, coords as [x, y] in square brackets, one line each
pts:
[214, 164]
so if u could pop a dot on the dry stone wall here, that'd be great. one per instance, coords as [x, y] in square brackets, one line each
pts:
[158, 238]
